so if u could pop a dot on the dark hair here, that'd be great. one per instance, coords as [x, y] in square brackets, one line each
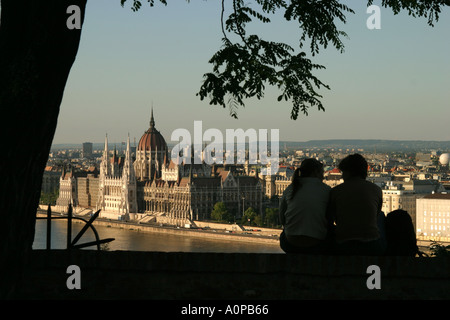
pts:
[400, 234]
[355, 165]
[308, 168]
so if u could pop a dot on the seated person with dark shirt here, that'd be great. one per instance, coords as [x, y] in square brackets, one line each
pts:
[355, 208]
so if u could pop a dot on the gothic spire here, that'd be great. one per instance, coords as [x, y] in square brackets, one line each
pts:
[128, 169]
[128, 153]
[106, 144]
[152, 121]
[105, 162]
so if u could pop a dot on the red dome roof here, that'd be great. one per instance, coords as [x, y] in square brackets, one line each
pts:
[152, 139]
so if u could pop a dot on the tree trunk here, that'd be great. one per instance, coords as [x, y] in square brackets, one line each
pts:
[37, 51]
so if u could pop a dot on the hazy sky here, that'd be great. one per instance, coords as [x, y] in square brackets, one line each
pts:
[392, 83]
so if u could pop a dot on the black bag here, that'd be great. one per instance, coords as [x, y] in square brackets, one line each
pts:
[400, 235]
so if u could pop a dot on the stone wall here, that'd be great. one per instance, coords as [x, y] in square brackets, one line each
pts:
[235, 276]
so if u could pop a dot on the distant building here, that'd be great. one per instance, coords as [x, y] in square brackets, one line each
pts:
[178, 193]
[78, 188]
[281, 183]
[396, 197]
[87, 150]
[333, 177]
[50, 179]
[151, 154]
[193, 197]
[423, 186]
[274, 185]
[117, 190]
[433, 217]
[155, 188]
[87, 190]
[67, 191]
[423, 157]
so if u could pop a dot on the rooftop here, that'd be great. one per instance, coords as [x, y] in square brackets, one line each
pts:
[442, 196]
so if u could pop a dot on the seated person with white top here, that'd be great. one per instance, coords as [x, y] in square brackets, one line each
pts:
[303, 210]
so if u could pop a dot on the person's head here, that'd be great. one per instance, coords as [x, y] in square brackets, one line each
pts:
[400, 234]
[310, 168]
[352, 166]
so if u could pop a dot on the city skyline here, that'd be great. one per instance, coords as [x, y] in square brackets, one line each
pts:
[388, 84]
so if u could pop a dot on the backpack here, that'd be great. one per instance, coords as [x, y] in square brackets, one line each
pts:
[400, 235]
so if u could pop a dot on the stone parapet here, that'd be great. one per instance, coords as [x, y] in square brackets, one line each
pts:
[197, 276]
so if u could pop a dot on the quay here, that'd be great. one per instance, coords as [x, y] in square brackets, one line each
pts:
[210, 230]
[202, 229]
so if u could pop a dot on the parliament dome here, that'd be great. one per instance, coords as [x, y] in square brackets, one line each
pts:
[152, 139]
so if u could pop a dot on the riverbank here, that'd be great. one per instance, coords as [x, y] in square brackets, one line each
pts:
[210, 231]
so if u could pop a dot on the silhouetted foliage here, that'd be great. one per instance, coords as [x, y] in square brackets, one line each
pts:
[243, 68]
[439, 250]
[416, 8]
[138, 4]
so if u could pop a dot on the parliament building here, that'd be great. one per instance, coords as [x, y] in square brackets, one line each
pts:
[151, 187]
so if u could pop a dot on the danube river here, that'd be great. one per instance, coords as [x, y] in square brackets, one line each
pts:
[146, 241]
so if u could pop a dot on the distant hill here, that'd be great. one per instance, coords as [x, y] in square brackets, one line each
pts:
[370, 145]
[62, 146]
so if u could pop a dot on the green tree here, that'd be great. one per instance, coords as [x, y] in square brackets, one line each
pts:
[220, 212]
[37, 52]
[49, 197]
[272, 217]
[249, 217]
[259, 220]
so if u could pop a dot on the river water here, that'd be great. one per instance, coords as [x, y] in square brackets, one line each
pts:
[144, 241]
